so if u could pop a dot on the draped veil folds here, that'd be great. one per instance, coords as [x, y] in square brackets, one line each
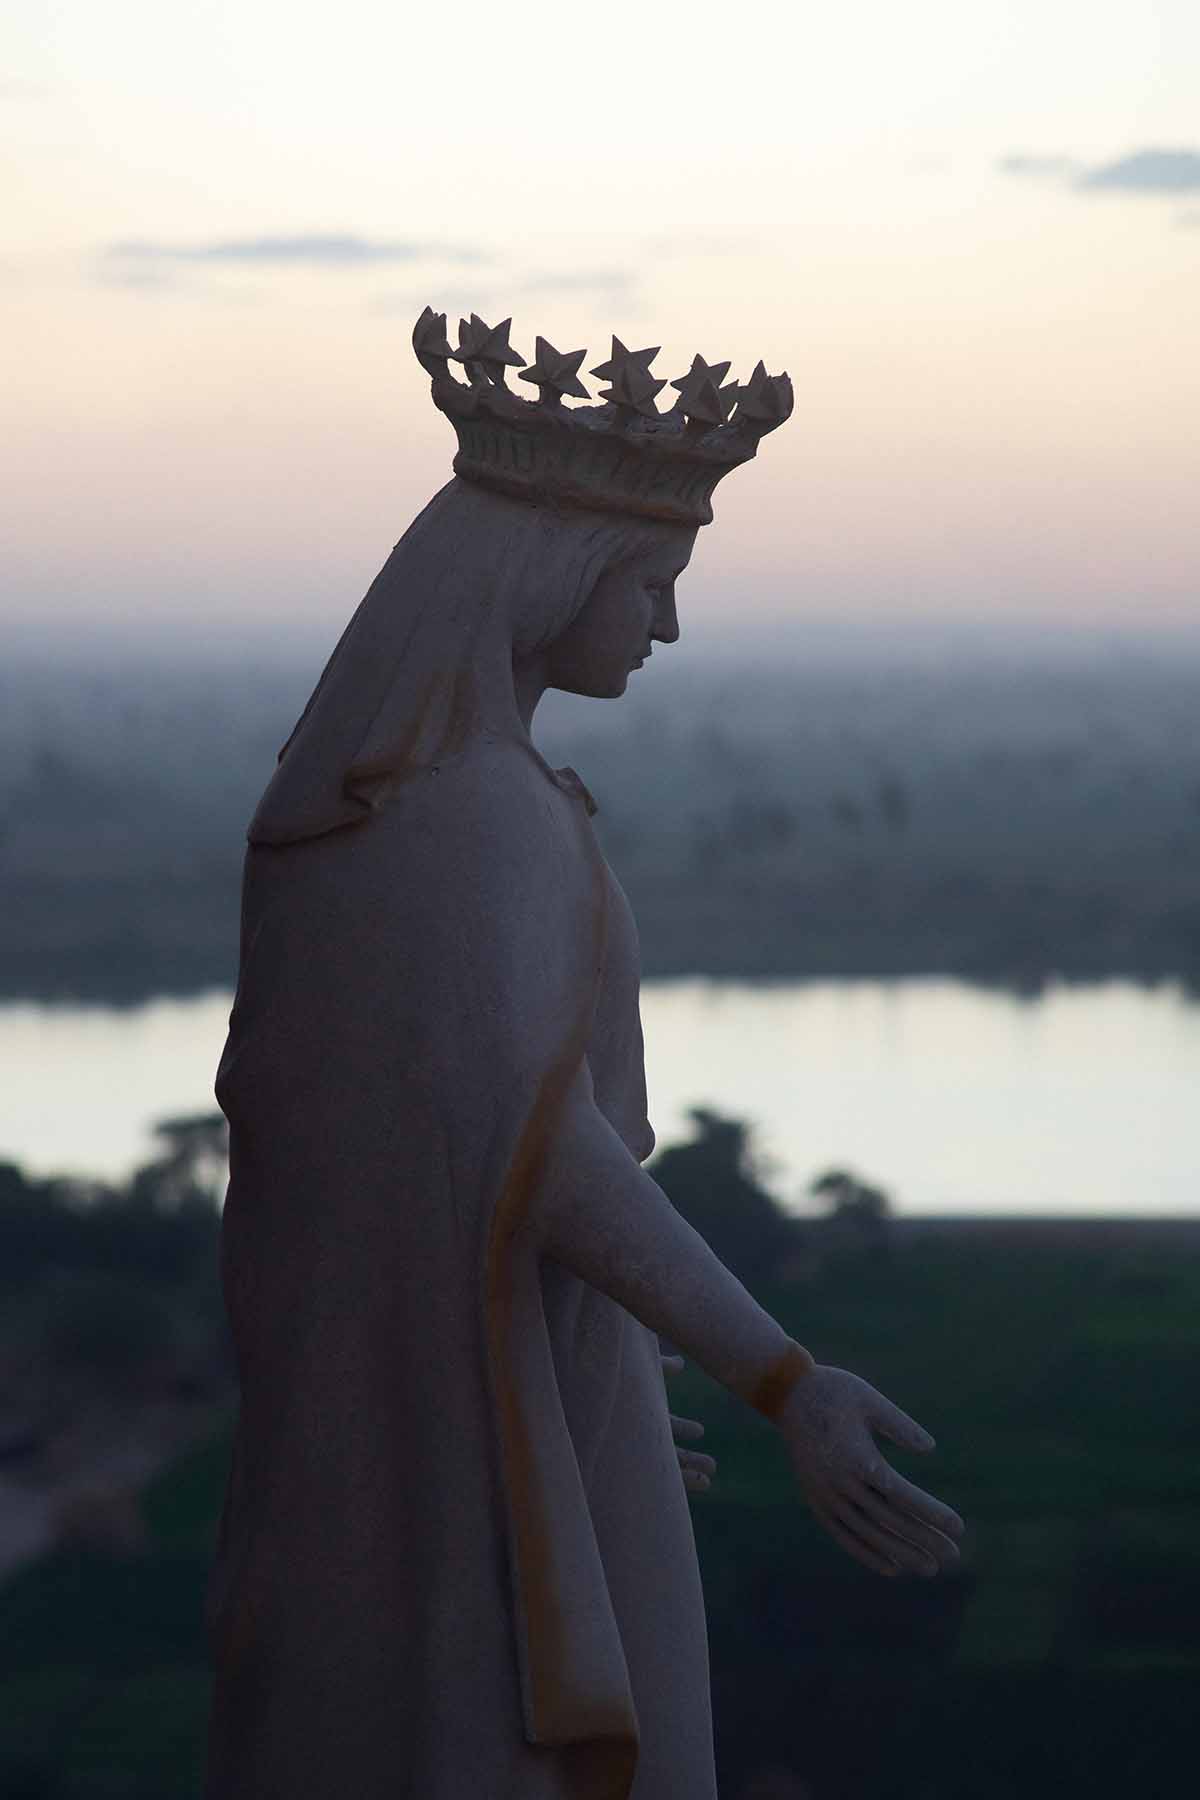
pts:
[424, 666]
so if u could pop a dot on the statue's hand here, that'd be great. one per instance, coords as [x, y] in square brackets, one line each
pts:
[697, 1468]
[883, 1520]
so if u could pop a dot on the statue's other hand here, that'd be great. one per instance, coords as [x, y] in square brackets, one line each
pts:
[697, 1468]
[878, 1517]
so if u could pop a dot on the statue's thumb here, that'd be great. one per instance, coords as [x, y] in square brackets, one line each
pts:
[904, 1431]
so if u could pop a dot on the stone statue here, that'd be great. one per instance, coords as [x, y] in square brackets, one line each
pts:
[455, 1560]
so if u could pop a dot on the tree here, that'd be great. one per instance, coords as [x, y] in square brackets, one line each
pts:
[193, 1169]
[713, 1183]
[859, 1215]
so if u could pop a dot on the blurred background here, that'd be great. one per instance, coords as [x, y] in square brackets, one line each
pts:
[909, 816]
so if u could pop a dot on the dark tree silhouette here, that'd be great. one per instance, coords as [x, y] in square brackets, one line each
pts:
[194, 1167]
[713, 1183]
[858, 1218]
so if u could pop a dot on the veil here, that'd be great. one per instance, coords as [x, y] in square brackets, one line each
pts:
[424, 667]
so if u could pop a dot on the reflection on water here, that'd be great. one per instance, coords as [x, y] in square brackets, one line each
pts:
[956, 1099]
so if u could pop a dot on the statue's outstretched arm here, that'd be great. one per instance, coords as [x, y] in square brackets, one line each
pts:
[506, 949]
[601, 1215]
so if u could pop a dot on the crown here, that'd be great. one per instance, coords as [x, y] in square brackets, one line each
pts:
[623, 455]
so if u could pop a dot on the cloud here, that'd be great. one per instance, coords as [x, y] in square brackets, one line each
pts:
[168, 283]
[311, 250]
[1141, 172]
[1189, 221]
[158, 265]
[1147, 172]
[1038, 167]
[575, 281]
[139, 280]
[605, 286]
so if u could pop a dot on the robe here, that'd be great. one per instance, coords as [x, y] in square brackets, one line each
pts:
[455, 1559]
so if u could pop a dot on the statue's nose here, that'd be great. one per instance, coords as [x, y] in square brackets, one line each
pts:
[666, 620]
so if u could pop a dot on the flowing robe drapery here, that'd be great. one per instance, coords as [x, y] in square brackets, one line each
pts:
[456, 1557]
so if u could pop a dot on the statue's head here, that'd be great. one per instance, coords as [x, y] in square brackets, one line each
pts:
[578, 593]
[648, 475]
[555, 548]
[630, 608]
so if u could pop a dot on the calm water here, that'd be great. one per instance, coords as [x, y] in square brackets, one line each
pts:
[955, 1099]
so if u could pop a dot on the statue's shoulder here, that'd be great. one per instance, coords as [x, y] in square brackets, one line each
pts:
[489, 829]
[495, 783]
[496, 802]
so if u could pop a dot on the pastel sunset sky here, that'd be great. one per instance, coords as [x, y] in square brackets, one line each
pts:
[968, 229]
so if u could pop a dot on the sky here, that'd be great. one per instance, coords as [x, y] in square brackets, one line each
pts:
[969, 230]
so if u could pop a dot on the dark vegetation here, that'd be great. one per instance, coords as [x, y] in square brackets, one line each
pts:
[1006, 821]
[109, 1296]
[1057, 1364]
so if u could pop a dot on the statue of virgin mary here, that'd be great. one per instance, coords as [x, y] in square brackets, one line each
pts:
[455, 1559]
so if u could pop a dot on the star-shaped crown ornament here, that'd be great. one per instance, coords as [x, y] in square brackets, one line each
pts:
[633, 386]
[484, 350]
[702, 399]
[555, 373]
[622, 455]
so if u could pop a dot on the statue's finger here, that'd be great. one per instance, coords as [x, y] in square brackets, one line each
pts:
[903, 1524]
[909, 1498]
[671, 1364]
[902, 1430]
[891, 1544]
[689, 1427]
[694, 1478]
[696, 1459]
[853, 1545]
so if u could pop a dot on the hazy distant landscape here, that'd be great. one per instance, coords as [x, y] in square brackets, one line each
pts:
[998, 817]
[1007, 818]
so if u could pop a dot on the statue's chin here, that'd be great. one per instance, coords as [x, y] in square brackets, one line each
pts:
[596, 687]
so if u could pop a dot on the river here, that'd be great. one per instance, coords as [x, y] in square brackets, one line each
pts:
[953, 1098]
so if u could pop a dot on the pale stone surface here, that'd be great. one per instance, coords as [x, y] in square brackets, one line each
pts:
[456, 1557]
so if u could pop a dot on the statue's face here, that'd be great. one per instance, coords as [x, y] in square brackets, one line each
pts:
[631, 607]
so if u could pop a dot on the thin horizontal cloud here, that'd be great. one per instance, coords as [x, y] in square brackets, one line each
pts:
[604, 286]
[1147, 172]
[1039, 168]
[170, 284]
[314, 250]
[1189, 221]
[139, 280]
[578, 281]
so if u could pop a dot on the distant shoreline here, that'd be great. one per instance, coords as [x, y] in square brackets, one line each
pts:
[1101, 1230]
[125, 985]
